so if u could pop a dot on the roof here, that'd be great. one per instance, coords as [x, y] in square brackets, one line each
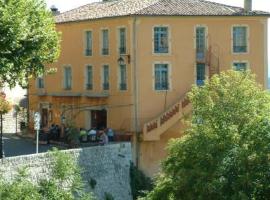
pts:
[118, 8]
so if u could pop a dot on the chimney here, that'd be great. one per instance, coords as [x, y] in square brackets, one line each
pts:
[54, 10]
[248, 5]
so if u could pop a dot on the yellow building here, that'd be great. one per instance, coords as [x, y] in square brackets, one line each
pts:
[127, 65]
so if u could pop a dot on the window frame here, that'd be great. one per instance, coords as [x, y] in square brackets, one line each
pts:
[169, 76]
[102, 42]
[64, 77]
[120, 80]
[206, 37]
[103, 77]
[85, 42]
[247, 39]
[37, 82]
[87, 78]
[118, 39]
[240, 61]
[169, 39]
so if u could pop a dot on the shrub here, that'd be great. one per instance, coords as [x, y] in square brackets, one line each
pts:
[65, 183]
[139, 182]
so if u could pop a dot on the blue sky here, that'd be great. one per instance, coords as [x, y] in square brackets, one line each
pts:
[64, 5]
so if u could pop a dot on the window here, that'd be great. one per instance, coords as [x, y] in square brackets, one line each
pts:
[161, 77]
[240, 66]
[89, 77]
[105, 42]
[161, 40]
[122, 41]
[123, 77]
[88, 43]
[105, 77]
[40, 82]
[240, 39]
[67, 78]
[200, 42]
[200, 73]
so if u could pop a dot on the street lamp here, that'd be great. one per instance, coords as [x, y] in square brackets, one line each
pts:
[123, 59]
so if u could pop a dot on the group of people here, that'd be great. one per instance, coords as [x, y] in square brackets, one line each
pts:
[103, 136]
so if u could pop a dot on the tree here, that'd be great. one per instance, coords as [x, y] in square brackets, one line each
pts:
[225, 153]
[28, 41]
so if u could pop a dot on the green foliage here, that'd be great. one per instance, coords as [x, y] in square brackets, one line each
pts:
[72, 137]
[28, 40]
[65, 183]
[139, 182]
[108, 196]
[225, 154]
[92, 182]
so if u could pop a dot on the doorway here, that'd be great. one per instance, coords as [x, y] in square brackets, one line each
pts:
[99, 119]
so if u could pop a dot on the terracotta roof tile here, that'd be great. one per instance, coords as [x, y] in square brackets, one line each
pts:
[118, 8]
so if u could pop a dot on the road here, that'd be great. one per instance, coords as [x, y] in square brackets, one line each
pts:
[15, 146]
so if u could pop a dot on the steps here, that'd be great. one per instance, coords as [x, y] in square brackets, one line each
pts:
[153, 129]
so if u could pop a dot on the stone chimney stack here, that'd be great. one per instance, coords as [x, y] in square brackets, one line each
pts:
[54, 10]
[248, 5]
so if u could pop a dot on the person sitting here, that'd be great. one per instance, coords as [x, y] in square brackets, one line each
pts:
[83, 135]
[103, 138]
[110, 134]
[93, 135]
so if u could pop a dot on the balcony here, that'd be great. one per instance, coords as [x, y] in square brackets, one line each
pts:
[105, 51]
[89, 86]
[88, 52]
[123, 86]
[122, 50]
[106, 86]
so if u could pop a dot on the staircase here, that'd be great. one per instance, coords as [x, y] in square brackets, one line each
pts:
[153, 129]
[212, 61]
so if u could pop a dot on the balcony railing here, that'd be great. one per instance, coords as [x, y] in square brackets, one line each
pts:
[122, 50]
[105, 51]
[88, 52]
[89, 86]
[123, 86]
[239, 49]
[106, 86]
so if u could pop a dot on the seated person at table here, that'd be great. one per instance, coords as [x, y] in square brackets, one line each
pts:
[92, 134]
[103, 138]
[83, 135]
[110, 134]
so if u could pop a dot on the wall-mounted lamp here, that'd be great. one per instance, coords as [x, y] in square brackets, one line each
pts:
[123, 59]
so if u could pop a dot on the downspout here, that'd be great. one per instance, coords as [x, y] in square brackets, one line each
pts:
[135, 91]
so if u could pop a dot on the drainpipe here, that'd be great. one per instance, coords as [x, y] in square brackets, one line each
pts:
[135, 91]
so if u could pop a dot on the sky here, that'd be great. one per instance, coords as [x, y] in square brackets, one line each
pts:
[64, 5]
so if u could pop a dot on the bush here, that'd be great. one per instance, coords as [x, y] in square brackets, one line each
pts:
[139, 183]
[65, 183]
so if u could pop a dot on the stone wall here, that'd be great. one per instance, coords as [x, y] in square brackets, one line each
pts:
[107, 165]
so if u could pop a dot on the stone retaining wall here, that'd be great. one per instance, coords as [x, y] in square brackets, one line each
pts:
[107, 165]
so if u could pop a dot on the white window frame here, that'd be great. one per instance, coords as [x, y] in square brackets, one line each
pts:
[240, 61]
[102, 76]
[85, 42]
[169, 76]
[64, 77]
[102, 42]
[169, 40]
[37, 82]
[206, 35]
[86, 77]
[119, 79]
[118, 40]
[248, 40]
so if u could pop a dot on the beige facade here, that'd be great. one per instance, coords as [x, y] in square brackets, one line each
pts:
[155, 114]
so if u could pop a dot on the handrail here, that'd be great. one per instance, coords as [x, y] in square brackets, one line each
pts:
[165, 116]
